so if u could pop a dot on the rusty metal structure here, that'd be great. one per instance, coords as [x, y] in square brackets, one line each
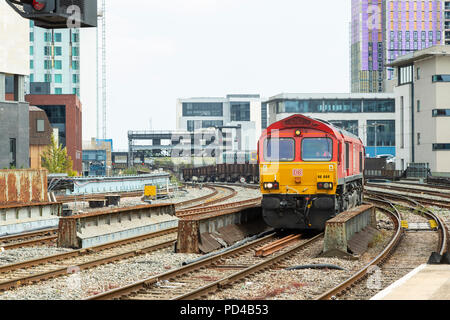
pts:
[23, 187]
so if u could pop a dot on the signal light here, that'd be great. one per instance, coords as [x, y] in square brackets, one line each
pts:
[298, 133]
[57, 14]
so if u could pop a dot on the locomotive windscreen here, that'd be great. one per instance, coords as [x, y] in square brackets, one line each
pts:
[317, 149]
[279, 149]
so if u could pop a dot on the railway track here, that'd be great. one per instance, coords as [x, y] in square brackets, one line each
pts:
[396, 259]
[28, 239]
[206, 276]
[27, 272]
[437, 198]
[35, 270]
[49, 236]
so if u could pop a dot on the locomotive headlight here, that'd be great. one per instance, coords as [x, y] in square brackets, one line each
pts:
[271, 185]
[325, 185]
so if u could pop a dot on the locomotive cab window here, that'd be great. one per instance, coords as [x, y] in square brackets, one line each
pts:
[279, 149]
[317, 149]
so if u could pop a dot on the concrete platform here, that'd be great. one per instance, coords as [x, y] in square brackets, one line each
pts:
[427, 282]
[96, 228]
[26, 218]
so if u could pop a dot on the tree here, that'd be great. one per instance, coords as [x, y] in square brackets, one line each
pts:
[56, 160]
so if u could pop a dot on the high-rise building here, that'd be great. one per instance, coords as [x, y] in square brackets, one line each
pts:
[367, 46]
[382, 31]
[54, 61]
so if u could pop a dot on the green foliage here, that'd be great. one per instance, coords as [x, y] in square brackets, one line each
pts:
[130, 171]
[56, 160]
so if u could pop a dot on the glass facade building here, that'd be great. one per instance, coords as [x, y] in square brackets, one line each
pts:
[369, 116]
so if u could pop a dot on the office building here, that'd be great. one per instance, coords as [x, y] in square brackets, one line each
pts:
[237, 114]
[369, 116]
[422, 93]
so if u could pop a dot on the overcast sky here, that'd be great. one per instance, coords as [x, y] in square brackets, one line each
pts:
[161, 50]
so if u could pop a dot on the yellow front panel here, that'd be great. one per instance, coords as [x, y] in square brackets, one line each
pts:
[298, 177]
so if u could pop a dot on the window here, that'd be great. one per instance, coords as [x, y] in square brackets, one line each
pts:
[58, 51]
[31, 50]
[279, 149]
[31, 64]
[12, 153]
[47, 51]
[317, 149]
[379, 105]
[40, 125]
[75, 51]
[240, 111]
[418, 105]
[347, 155]
[47, 64]
[441, 78]
[47, 37]
[58, 64]
[405, 75]
[441, 146]
[75, 37]
[418, 139]
[58, 90]
[418, 73]
[58, 37]
[347, 125]
[48, 78]
[381, 133]
[76, 78]
[58, 78]
[31, 36]
[212, 123]
[202, 109]
[75, 65]
[441, 113]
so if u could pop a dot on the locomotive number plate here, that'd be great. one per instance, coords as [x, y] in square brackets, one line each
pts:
[325, 177]
[297, 172]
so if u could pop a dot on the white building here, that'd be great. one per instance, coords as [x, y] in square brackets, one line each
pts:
[238, 114]
[422, 90]
[371, 116]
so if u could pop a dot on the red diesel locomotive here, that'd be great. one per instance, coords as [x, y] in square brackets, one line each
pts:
[310, 171]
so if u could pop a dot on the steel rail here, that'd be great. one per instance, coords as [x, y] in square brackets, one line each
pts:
[84, 251]
[379, 260]
[217, 285]
[29, 243]
[27, 235]
[90, 264]
[216, 208]
[443, 228]
[144, 284]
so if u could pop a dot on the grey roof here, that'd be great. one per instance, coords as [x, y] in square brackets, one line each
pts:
[421, 54]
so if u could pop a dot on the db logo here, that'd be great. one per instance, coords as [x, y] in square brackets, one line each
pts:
[297, 172]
